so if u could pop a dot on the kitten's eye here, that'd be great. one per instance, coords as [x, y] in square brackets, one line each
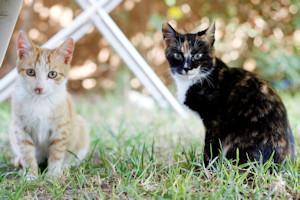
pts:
[52, 74]
[177, 56]
[30, 72]
[197, 56]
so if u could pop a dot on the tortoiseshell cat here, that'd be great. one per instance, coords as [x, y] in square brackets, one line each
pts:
[44, 126]
[239, 110]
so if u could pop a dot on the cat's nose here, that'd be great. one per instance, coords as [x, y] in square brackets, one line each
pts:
[38, 90]
[186, 69]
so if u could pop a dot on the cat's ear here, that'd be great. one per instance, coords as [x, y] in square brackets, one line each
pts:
[65, 51]
[24, 45]
[210, 34]
[169, 32]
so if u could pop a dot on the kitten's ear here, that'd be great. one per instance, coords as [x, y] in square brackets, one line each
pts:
[24, 45]
[169, 32]
[65, 51]
[210, 34]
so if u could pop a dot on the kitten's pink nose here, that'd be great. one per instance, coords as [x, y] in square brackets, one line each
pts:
[38, 90]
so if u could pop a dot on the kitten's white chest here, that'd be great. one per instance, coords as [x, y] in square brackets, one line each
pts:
[36, 117]
[35, 114]
[38, 110]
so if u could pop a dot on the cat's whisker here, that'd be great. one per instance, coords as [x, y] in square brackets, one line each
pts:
[209, 81]
[195, 43]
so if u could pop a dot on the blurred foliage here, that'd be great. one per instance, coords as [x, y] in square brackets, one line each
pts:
[258, 35]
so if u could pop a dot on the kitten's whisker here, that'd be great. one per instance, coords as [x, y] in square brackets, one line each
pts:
[50, 100]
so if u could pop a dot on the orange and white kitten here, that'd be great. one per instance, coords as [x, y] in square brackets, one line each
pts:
[44, 126]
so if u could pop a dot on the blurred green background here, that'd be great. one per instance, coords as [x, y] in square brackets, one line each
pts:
[258, 35]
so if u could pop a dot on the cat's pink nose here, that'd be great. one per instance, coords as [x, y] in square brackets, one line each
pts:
[38, 90]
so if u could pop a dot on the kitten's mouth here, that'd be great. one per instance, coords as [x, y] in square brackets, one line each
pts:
[39, 93]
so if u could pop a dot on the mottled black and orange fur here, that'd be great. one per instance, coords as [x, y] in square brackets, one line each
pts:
[240, 111]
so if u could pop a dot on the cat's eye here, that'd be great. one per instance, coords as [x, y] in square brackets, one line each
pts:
[177, 56]
[52, 74]
[197, 56]
[30, 72]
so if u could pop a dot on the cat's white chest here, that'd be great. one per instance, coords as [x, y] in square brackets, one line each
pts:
[183, 86]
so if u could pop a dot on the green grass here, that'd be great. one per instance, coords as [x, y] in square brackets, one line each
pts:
[149, 154]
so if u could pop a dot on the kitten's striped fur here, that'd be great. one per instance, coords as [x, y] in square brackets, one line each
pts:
[44, 125]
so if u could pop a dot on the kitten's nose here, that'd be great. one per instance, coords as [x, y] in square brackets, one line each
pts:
[38, 90]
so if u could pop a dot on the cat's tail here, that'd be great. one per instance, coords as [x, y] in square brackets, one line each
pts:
[291, 143]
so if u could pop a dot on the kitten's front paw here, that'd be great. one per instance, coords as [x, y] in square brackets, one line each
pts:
[17, 162]
[54, 174]
[30, 177]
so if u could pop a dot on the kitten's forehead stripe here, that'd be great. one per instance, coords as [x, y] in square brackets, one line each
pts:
[49, 59]
[37, 57]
